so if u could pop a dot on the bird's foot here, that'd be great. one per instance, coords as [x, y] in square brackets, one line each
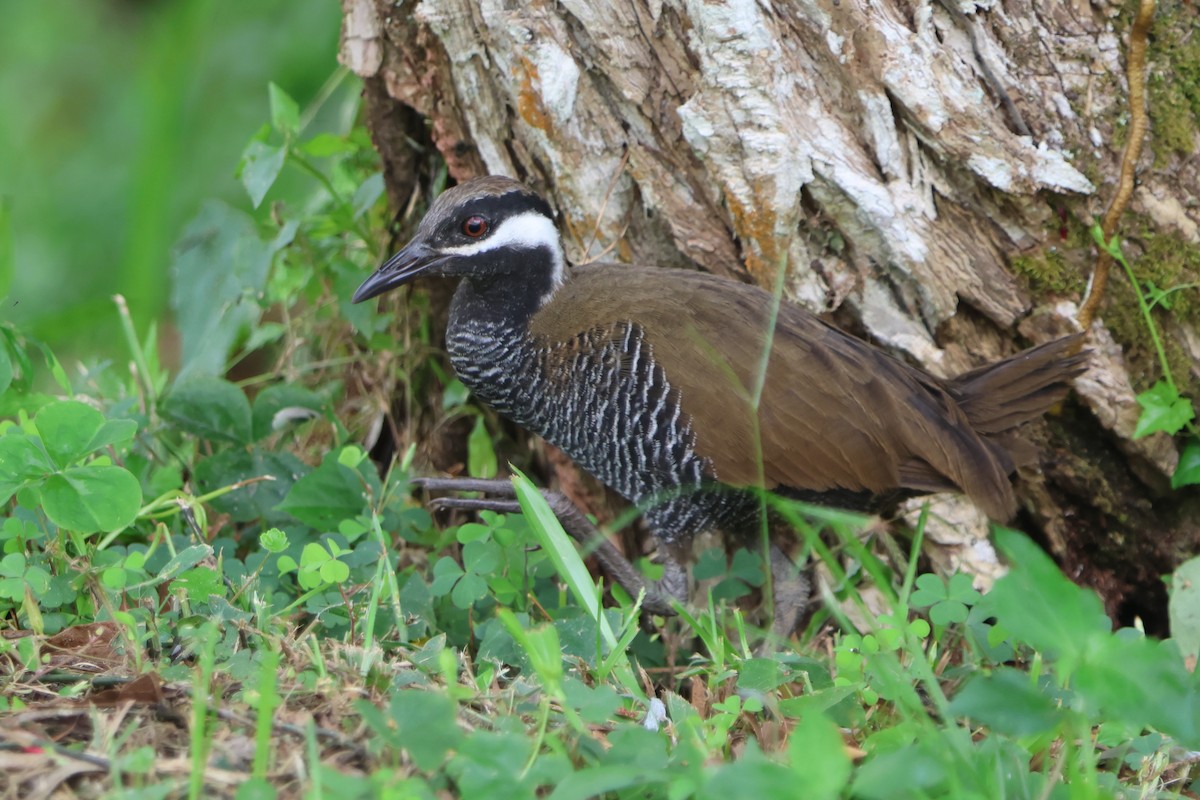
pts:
[792, 589]
[502, 497]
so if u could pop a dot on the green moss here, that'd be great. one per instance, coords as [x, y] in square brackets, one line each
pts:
[1047, 270]
[1166, 261]
[1173, 82]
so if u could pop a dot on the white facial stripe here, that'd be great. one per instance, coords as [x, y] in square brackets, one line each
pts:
[527, 231]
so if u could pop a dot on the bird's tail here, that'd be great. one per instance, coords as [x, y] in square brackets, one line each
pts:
[998, 397]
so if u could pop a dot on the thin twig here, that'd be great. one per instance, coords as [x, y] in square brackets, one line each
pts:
[604, 207]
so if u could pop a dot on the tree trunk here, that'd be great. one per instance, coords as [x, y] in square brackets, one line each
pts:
[926, 173]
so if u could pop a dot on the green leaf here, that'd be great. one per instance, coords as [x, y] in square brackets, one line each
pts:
[92, 498]
[446, 573]
[1008, 702]
[285, 113]
[210, 408]
[1187, 471]
[218, 271]
[752, 775]
[760, 675]
[908, 771]
[328, 495]
[200, 584]
[929, 590]
[283, 404]
[334, 571]
[21, 460]
[820, 765]
[324, 145]
[1140, 683]
[962, 589]
[261, 165]
[424, 725]
[567, 562]
[113, 431]
[947, 612]
[70, 430]
[481, 557]
[1072, 617]
[468, 590]
[1162, 410]
[183, 561]
[367, 194]
[481, 456]
[257, 499]
[1184, 607]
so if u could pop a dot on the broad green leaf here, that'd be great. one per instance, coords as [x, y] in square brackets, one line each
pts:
[256, 498]
[210, 408]
[481, 456]
[328, 495]
[324, 145]
[285, 113]
[367, 194]
[92, 498]
[468, 590]
[446, 573]
[423, 723]
[218, 271]
[113, 431]
[1008, 702]
[1071, 618]
[603, 781]
[21, 460]
[283, 404]
[261, 165]
[929, 589]
[1187, 471]
[1141, 683]
[67, 428]
[1184, 607]
[760, 675]
[908, 771]
[334, 571]
[481, 557]
[200, 584]
[1162, 410]
[752, 775]
[820, 765]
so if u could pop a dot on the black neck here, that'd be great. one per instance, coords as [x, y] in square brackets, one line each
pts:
[509, 293]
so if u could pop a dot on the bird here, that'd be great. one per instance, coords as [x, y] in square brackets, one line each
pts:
[692, 394]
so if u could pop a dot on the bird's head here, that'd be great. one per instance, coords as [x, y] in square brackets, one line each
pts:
[485, 229]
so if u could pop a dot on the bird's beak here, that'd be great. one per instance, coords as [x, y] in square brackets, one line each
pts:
[415, 259]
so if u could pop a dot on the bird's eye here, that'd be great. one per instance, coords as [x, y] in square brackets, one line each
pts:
[475, 226]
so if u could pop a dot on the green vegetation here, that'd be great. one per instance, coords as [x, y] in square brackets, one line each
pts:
[1164, 408]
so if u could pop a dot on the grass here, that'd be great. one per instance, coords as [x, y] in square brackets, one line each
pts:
[250, 607]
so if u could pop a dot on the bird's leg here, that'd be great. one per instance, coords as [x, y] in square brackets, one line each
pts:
[791, 588]
[658, 595]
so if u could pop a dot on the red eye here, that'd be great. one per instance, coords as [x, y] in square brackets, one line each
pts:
[475, 226]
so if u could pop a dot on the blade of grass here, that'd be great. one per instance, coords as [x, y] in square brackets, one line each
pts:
[570, 567]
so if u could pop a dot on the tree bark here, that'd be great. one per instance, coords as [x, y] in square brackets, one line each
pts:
[924, 172]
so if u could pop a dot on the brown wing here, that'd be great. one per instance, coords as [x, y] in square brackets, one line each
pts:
[835, 413]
